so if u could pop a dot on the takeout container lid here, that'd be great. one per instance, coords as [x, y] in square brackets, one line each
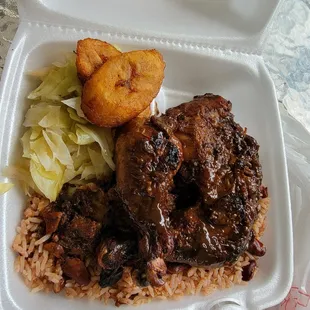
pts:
[232, 24]
[213, 45]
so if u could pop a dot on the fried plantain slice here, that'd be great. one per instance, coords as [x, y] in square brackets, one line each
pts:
[91, 54]
[123, 87]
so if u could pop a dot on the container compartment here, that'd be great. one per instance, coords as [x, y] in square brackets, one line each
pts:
[190, 70]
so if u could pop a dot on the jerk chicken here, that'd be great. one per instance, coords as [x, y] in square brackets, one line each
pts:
[186, 193]
[75, 221]
[190, 183]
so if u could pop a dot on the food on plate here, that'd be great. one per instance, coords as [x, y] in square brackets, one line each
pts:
[4, 187]
[59, 145]
[42, 270]
[58, 82]
[75, 221]
[123, 87]
[190, 182]
[91, 54]
[177, 207]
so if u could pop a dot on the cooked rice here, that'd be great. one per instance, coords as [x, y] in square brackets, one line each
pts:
[41, 271]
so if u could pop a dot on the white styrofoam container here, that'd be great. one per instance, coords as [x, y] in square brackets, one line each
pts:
[208, 46]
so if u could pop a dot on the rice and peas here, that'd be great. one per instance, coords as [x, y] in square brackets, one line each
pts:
[40, 270]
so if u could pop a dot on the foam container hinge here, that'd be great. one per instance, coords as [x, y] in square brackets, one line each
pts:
[209, 46]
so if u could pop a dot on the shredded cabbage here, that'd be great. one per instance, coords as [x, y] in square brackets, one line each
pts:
[40, 73]
[60, 145]
[21, 173]
[4, 187]
[101, 167]
[75, 103]
[59, 148]
[80, 137]
[60, 82]
[99, 135]
[47, 116]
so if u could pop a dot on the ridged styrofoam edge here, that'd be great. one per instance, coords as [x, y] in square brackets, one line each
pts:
[35, 11]
[31, 35]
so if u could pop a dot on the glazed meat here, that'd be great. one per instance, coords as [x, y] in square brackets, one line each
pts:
[186, 193]
[76, 269]
[75, 221]
[221, 165]
[113, 254]
[218, 154]
[147, 160]
[190, 183]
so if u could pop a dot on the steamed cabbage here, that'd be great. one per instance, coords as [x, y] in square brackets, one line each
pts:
[75, 103]
[60, 145]
[4, 187]
[60, 82]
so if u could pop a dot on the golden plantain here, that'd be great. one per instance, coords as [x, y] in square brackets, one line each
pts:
[91, 54]
[123, 87]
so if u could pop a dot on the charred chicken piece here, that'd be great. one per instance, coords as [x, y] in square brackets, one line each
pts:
[147, 160]
[190, 182]
[54, 248]
[155, 270]
[80, 236]
[109, 277]
[90, 201]
[76, 221]
[211, 236]
[75, 269]
[219, 157]
[221, 164]
[112, 255]
[52, 220]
